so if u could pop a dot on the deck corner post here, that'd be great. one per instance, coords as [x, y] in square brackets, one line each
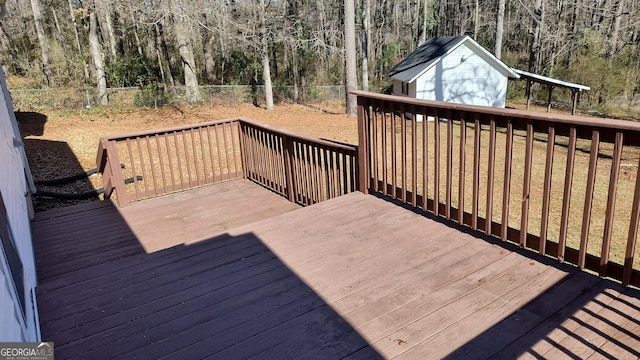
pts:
[287, 144]
[362, 169]
[243, 149]
[117, 180]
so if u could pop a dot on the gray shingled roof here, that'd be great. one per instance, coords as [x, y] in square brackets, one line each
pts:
[427, 53]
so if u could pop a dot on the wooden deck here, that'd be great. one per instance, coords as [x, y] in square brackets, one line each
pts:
[355, 277]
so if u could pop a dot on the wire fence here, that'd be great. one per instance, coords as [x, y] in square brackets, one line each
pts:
[157, 95]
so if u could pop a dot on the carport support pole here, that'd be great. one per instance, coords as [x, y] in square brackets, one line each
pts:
[575, 101]
[550, 87]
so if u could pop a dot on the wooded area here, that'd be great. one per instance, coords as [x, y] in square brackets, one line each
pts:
[122, 43]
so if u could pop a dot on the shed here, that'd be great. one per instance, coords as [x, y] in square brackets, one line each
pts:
[453, 69]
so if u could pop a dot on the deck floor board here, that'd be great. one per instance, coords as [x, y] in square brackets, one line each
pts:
[235, 271]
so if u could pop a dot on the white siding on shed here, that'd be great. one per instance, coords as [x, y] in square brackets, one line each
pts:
[14, 188]
[463, 76]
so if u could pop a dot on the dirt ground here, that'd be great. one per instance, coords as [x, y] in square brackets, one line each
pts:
[64, 143]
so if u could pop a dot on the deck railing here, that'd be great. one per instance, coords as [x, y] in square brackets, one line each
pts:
[564, 186]
[306, 170]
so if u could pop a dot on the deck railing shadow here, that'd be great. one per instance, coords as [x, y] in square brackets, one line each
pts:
[306, 170]
[468, 164]
[518, 333]
[228, 296]
[542, 330]
[49, 171]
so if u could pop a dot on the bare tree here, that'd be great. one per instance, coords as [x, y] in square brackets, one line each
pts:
[366, 39]
[536, 37]
[266, 71]
[499, 28]
[42, 40]
[351, 82]
[192, 93]
[95, 48]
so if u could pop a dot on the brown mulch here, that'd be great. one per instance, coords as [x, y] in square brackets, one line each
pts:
[64, 143]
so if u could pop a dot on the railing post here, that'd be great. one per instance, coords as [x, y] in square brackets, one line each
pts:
[362, 173]
[115, 178]
[287, 144]
[243, 149]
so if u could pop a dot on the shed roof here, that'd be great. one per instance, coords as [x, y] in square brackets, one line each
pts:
[549, 81]
[432, 50]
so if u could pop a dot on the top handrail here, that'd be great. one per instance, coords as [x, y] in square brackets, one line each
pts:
[607, 123]
[259, 124]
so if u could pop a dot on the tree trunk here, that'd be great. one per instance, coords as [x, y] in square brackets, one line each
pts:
[266, 72]
[425, 24]
[351, 82]
[192, 93]
[476, 19]
[78, 46]
[96, 54]
[499, 28]
[536, 37]
[613, 42]
[42, 40]
[103, 16]
[366, 39]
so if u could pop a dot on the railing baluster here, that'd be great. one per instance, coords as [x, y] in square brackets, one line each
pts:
[308, 173]
[143, 167]
[169, 157]
[462, 169]
[546, 193]
[476, 173]
[566, 201]
[202, 156]
[194, 151]
[249, 141]
[178, 161]
[394, 153]
[508, 156]
[147, 141]
[133, 169]
[491, 169]
[414, 157]
[226, 149]
[186, 157]
[526, 187]
[211, 157]
[403, 149]
[235, 125]
[588, 198]
[633, 233]
[425, 161]
[449, 165]
[611, 204]
[436, 166]
[374, 151]
[385, 163]
[161, 161]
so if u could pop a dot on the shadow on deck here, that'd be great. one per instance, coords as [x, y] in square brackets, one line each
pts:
[353, 277]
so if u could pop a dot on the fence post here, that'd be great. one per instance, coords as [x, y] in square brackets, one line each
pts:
[362, 169]
[287, 144]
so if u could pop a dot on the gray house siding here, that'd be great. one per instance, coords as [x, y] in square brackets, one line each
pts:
[19, 321]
